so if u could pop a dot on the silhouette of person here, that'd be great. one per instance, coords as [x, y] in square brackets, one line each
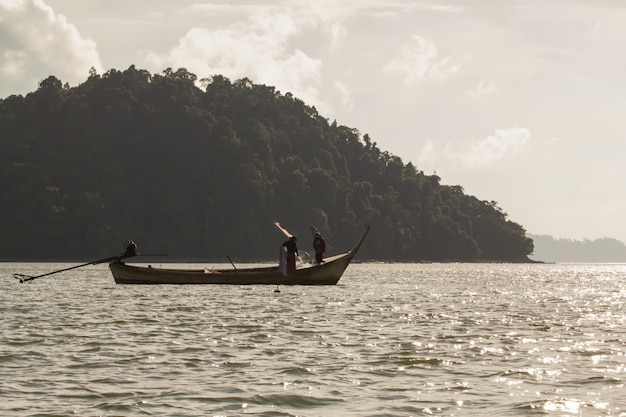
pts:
[319, 244]
[130, 248]
[292, 251]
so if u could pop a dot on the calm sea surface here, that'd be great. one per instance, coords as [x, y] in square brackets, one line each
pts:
[389, 340]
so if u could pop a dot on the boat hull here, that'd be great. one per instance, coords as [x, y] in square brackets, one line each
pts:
[328, 273]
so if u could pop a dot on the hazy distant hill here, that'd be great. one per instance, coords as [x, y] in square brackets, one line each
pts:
[549, 249]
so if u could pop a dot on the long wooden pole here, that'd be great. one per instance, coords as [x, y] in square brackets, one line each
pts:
[27, 278]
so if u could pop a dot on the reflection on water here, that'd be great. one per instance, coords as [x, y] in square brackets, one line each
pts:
[390, 339]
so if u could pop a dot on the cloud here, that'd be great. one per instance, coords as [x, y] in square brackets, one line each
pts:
[257, 48]
[35, 42]
[12, 63]
[428, 156]
[256, 40]
[418, 61]
[345, 95]
[483, 88]
[479, 154]
[503, 143]
[290, 44]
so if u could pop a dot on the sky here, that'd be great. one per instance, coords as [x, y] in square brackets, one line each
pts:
[519, 102]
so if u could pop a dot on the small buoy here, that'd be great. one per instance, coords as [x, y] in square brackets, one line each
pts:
[277, 290]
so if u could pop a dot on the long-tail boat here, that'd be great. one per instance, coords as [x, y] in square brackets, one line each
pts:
[327, 273]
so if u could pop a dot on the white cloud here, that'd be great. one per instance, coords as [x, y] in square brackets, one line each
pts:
[257, 40]
[502, 144]
[259, 44]
[482, 153]
[36, 42]
[13, 63]
[419, 62]
[345, 96]
[483, 88]
[257, 48]
[428, 156]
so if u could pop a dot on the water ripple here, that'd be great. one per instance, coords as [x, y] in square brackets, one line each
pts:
[389, 340]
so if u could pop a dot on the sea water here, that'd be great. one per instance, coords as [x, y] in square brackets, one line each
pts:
[388, 340]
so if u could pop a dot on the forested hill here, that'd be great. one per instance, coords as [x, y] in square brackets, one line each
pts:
[203, 172]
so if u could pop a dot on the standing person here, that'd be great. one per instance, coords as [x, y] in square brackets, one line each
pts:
[319, 244]
[292, 251]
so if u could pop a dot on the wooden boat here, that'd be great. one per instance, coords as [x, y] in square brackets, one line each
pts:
[327, 273]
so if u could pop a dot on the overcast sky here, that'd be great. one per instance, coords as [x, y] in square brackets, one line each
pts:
[519, 102]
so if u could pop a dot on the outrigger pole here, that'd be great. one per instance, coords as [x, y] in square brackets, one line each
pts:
[27, 278]
[129, 252]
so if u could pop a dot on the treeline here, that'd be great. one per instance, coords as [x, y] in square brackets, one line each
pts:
[550, 249]
[203, 172]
